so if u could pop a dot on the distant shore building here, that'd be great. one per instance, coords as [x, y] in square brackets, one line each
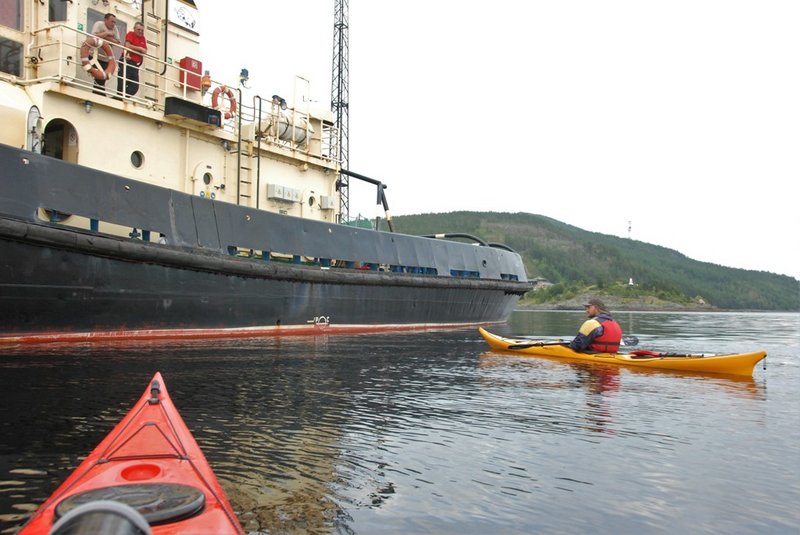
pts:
[540, 283]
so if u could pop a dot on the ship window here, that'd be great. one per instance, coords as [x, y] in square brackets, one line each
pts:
[10, 56]
[11, 14]
[58, 10]
[137, 159]
[207, 178]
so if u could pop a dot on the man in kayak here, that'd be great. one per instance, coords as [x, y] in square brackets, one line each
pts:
[598, 334]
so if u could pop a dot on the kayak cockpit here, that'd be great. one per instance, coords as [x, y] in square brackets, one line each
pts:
[158, 503]
[107, 517]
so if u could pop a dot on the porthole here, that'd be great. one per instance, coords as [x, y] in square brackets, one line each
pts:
[137, 159]
[207, 178]
[311, 201]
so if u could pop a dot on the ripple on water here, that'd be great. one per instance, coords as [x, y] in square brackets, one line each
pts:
[430, 433]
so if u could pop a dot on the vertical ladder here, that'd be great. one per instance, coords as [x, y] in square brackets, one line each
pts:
[246, 175]
[153, 30]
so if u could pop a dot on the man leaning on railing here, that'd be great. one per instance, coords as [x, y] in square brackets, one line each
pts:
[107, 30]
[131, 60]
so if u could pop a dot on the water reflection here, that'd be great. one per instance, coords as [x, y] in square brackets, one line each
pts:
[600, 377]
[429, 432]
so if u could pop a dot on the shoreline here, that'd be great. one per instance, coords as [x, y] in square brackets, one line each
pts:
[620, 304]
[637, 307]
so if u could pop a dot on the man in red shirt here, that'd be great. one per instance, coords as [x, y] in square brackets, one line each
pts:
[132, 60]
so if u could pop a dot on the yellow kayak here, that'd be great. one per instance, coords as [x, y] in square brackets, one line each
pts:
[733, 364]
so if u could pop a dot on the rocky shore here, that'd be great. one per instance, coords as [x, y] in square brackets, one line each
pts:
[615, 303]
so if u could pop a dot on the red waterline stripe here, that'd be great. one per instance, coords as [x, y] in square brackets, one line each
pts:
[246, 332]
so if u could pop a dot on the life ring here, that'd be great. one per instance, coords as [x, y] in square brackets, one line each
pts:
[90, 65]
[216, 102]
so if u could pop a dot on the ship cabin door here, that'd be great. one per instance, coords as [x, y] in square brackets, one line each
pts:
[60, 140]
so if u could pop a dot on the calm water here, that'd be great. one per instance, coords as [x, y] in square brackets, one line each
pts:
[431, 433]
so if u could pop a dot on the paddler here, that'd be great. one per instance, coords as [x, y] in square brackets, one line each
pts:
[598, 334]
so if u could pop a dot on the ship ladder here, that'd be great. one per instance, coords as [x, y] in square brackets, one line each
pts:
[245, 176]
[152, 28]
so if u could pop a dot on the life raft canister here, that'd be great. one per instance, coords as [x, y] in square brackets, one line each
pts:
[91, 66]
[216, 101]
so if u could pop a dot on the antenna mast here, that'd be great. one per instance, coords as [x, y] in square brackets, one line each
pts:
[340, 96]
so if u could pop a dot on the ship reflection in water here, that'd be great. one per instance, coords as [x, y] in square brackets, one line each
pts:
[429, 432]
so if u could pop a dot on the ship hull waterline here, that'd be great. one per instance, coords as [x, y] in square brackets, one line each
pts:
[79, 259]
[59, 289]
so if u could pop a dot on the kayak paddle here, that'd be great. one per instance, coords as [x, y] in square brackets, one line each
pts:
[627, 340]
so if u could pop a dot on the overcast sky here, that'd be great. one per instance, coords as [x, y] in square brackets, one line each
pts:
[679, 118]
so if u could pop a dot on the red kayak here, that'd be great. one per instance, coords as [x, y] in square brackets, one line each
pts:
[148, 476]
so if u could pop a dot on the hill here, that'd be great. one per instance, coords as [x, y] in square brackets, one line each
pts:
[577, 261]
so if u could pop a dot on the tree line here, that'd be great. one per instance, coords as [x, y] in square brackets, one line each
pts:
[570, 257]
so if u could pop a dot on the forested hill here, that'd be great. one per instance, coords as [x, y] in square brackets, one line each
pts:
[570, 257]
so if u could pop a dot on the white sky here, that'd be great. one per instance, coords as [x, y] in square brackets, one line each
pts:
[680, 116]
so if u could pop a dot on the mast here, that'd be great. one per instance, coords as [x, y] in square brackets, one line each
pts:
[340, 95]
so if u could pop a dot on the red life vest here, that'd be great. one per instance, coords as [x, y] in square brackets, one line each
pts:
[608, 342]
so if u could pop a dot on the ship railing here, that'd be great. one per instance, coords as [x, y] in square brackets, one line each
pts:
[55, 54]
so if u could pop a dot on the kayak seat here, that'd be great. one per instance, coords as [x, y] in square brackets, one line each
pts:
[158, 503]
[103, 517]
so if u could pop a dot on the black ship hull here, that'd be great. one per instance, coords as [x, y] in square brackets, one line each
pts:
[59, 282]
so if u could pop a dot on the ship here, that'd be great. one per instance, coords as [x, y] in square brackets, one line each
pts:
[183, 209]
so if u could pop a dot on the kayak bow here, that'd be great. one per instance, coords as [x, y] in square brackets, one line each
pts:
[150, 462]
[732, 364]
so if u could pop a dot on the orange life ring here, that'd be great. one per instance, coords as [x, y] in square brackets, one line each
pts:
[216, 102]
[91, 66]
